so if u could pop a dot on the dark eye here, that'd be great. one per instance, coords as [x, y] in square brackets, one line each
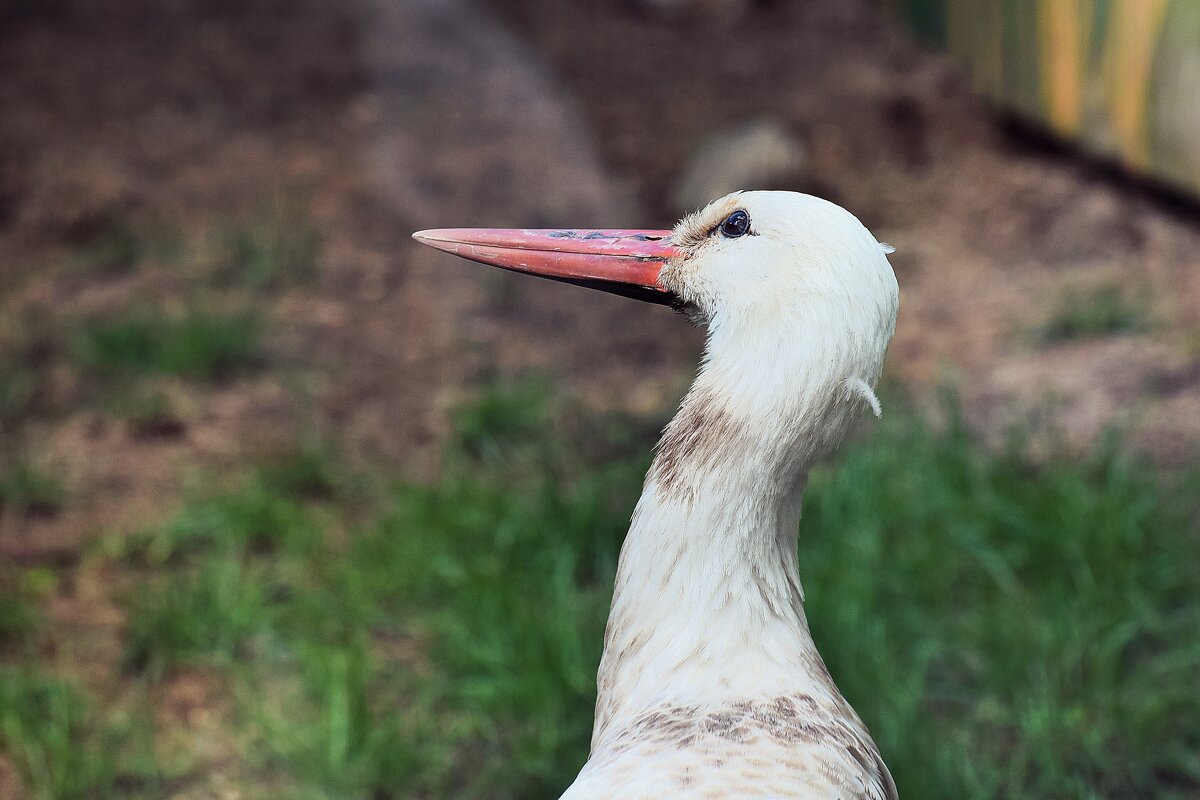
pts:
[735, 225]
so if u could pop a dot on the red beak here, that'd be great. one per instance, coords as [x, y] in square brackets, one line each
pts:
[622, 262]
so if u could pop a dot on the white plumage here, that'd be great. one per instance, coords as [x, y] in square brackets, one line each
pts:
[710, 685]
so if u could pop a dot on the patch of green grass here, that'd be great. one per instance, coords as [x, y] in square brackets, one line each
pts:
[51, 734]
[19, 613]
[505, 418]
[307, 472]
[1107, 310]
[26, 490]
[256, 518]
[1007, 628]
[200, 344]
[348, 728]
[29, 345]
[511, 580]
[147, 409]
[274, 248]
[231, 559]
[208, 614]
[18, 619]
[114, 244]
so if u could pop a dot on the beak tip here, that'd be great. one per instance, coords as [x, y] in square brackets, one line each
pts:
[435, 239]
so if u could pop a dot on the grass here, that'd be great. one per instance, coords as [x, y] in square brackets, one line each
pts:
[147, 409]
[200, 344]
[1106, 310]
[19, 612]
[231, 554]
[1036, 623]
[1006, 628]
[276, 247]
[25, 490]
[29, 344]
[114, 243]
[204, 616]
[51, 733]
[322, 628]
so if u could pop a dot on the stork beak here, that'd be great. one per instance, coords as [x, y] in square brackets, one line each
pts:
[622, 262]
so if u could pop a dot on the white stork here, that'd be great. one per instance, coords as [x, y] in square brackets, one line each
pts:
[710, 685]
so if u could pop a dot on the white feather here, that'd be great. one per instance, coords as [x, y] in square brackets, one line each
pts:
[710, 685]
[857, 386]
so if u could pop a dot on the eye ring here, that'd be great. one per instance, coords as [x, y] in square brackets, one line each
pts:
[735, 225]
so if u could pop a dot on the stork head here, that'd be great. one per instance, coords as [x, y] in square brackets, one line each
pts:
[753, 260]
[781, 279]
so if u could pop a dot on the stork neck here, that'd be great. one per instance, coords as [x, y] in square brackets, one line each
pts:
[707, 606]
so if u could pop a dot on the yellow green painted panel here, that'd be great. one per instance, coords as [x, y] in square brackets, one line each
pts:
[1122, 77]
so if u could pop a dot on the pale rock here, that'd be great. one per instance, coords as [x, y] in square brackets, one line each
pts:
[761, 154]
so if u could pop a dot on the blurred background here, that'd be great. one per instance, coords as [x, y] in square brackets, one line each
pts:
[290, 507]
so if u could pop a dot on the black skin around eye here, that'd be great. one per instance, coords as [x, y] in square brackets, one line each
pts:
[735, 225]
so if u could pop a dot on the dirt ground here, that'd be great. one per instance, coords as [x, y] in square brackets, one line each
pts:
[388, 117]
[992, 226]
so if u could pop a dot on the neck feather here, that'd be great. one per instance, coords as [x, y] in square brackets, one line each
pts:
[707, 606]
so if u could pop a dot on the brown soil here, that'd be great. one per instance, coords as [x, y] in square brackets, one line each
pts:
[387, 117]
[991, 225]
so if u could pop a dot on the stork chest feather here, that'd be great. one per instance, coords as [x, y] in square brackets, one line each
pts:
[791, 747]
